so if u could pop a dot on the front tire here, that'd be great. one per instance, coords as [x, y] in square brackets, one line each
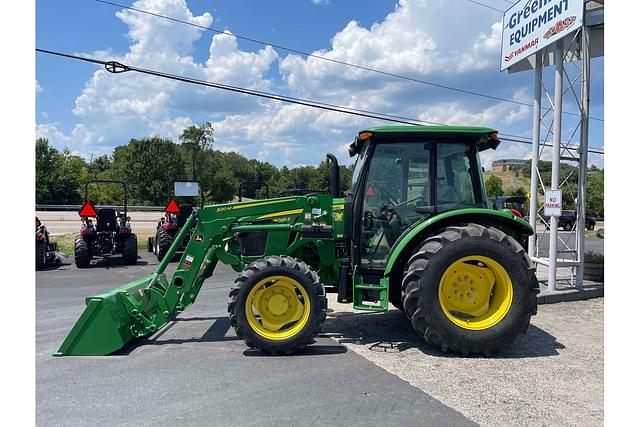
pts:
[470, 289]
[277, 305]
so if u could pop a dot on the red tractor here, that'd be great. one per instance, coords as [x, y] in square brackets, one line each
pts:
[176, 215]
[46, 251]
[105, 231]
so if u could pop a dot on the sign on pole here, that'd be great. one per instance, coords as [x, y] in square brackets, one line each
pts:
[531, 25]
[553, 203]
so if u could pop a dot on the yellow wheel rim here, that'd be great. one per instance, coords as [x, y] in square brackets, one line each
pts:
[278, 307]
[475, 292]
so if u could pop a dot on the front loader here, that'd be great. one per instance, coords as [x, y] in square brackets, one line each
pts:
[414, 229]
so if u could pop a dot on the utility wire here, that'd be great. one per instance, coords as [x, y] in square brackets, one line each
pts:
[486, 5]
[117, 67]
[336, 61]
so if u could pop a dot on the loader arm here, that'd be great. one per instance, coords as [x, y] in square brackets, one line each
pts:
[144, 306]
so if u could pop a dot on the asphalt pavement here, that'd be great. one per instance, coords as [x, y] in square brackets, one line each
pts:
[567, 243]
[365, 368]
[196, 371]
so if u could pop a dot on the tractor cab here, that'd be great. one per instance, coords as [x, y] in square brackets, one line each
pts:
[402, 178]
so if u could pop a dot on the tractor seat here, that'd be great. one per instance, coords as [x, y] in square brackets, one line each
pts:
[106, 220]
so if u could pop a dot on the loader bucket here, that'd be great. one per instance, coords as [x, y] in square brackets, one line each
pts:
[109, 320]
[112, 319]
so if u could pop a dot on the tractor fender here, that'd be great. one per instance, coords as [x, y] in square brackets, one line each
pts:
[504, 220]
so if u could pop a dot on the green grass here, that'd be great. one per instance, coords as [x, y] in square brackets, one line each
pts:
[510, 180]
[66, 241]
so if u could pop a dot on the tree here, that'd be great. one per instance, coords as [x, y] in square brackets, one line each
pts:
[195, 140]
[223, 187]
[149, 166]
[595, 193]
[58, 175]
[520, 191]
[493, 186]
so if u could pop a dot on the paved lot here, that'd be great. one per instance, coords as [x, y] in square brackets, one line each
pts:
[590, 244]
[365, 369]
[553, 375]
[197, 372]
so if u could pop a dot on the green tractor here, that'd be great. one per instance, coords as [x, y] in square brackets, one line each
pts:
[414, 229]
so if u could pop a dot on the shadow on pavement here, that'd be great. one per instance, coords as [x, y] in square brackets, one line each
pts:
[391, 332]
[215, 333]
[312, 350]
[115, 262]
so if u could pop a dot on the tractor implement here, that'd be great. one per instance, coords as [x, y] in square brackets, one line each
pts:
[414, 230]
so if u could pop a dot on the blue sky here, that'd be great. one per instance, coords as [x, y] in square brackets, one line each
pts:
[453, 43]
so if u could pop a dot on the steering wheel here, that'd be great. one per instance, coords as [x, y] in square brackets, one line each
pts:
[385, 193]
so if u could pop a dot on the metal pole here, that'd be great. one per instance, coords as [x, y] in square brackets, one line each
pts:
[584, 153]
[535, 153]
[555, 161]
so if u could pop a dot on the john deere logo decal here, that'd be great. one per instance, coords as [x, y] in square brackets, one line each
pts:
[199, 238]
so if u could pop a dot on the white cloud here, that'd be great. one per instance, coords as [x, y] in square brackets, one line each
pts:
[320, 2]
[129, 105]
[428, 40]
[39, 88]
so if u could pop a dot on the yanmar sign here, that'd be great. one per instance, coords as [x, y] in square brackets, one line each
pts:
[530, 25]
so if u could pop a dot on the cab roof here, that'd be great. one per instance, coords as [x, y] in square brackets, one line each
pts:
[431, 129]
[483, 137]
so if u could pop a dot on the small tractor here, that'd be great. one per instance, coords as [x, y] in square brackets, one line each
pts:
[174, 219]
[105, 231]
[46, 251]
[414, 230]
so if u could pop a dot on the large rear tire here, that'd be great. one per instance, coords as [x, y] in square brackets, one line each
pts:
[82, 254]
[277, 305]
[164, 240]
[130, 249]
[470, 289]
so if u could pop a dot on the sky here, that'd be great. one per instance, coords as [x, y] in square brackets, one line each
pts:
[454, 43]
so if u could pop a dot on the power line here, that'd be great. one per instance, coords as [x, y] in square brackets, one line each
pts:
[336, 61]
[117, 67]
[486, 5]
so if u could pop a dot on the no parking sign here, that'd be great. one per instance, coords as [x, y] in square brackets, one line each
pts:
[553, 203]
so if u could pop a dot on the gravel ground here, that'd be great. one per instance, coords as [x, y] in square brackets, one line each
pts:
[553, 375]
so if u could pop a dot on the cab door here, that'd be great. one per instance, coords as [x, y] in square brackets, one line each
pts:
[396, 182]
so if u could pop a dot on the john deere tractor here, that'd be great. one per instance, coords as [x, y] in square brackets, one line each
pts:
[104, 232]
[414, 229]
